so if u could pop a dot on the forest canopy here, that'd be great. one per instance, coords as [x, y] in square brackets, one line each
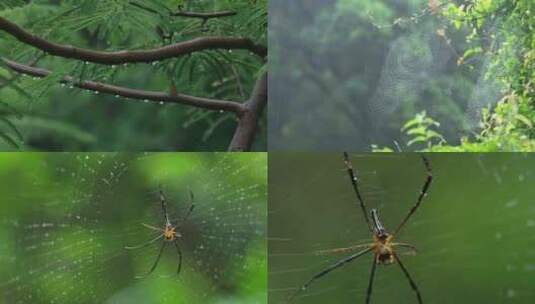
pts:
[133, 75]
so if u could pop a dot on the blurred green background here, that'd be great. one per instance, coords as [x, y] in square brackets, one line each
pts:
[66, 218]
[475, 231]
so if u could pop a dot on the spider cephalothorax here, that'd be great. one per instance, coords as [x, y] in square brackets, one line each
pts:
[383, 249]
[170, 233]
[383, 246]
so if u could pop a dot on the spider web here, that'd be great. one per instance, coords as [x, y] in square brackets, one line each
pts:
[471, 229]
[68, 218]
[363, 90]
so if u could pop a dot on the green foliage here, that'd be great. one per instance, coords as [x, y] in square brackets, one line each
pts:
[503, 32]
[112, 25]
[419, 129]
[420, 132]
[510, 125]
[9, 131]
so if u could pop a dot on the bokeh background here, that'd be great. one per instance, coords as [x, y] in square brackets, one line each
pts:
[361, 68]
[66, 218]
[475, 231]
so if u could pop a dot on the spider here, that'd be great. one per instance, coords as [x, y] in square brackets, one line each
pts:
[383, 245]
[168, 233]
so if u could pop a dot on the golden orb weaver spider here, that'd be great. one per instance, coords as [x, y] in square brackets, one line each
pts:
[168, 233]
[382, 245]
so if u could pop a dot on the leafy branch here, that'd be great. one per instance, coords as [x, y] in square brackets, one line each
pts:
[247, 113]
[420, 131]
[131, 56]
[162, 97]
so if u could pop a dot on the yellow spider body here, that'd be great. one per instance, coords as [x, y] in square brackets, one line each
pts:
[170, 233]
[383, 247]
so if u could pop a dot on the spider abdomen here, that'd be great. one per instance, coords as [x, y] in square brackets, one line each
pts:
[386, 258]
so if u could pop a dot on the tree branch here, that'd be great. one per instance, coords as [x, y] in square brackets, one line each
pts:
[204, 16]
[199, 102]
[248, 124]
[121, 57]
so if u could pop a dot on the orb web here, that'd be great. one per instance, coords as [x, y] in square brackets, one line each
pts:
[64, 232]
[411, 59]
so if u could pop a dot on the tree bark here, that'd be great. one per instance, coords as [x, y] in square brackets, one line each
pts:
[248, 120]
[143, 95]
[131, 56]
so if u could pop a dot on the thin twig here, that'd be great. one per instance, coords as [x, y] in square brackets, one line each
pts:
[163, 97]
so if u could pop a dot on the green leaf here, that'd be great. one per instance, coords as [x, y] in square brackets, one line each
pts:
[8, 108]
[12, 127]
[409, 124]
[524, 120]
[9, 140]
[421, 130]
[418, 139]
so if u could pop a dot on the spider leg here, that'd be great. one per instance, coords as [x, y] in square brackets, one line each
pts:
[411, 281]
[151, 227]
[179, 257]
[405, 245]
[325, 271]
[343, 250]
[354, 183]
[370, 284]
[191, 199]
[144, 244]
[164, 206]
[423, 193]
[155, 262]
